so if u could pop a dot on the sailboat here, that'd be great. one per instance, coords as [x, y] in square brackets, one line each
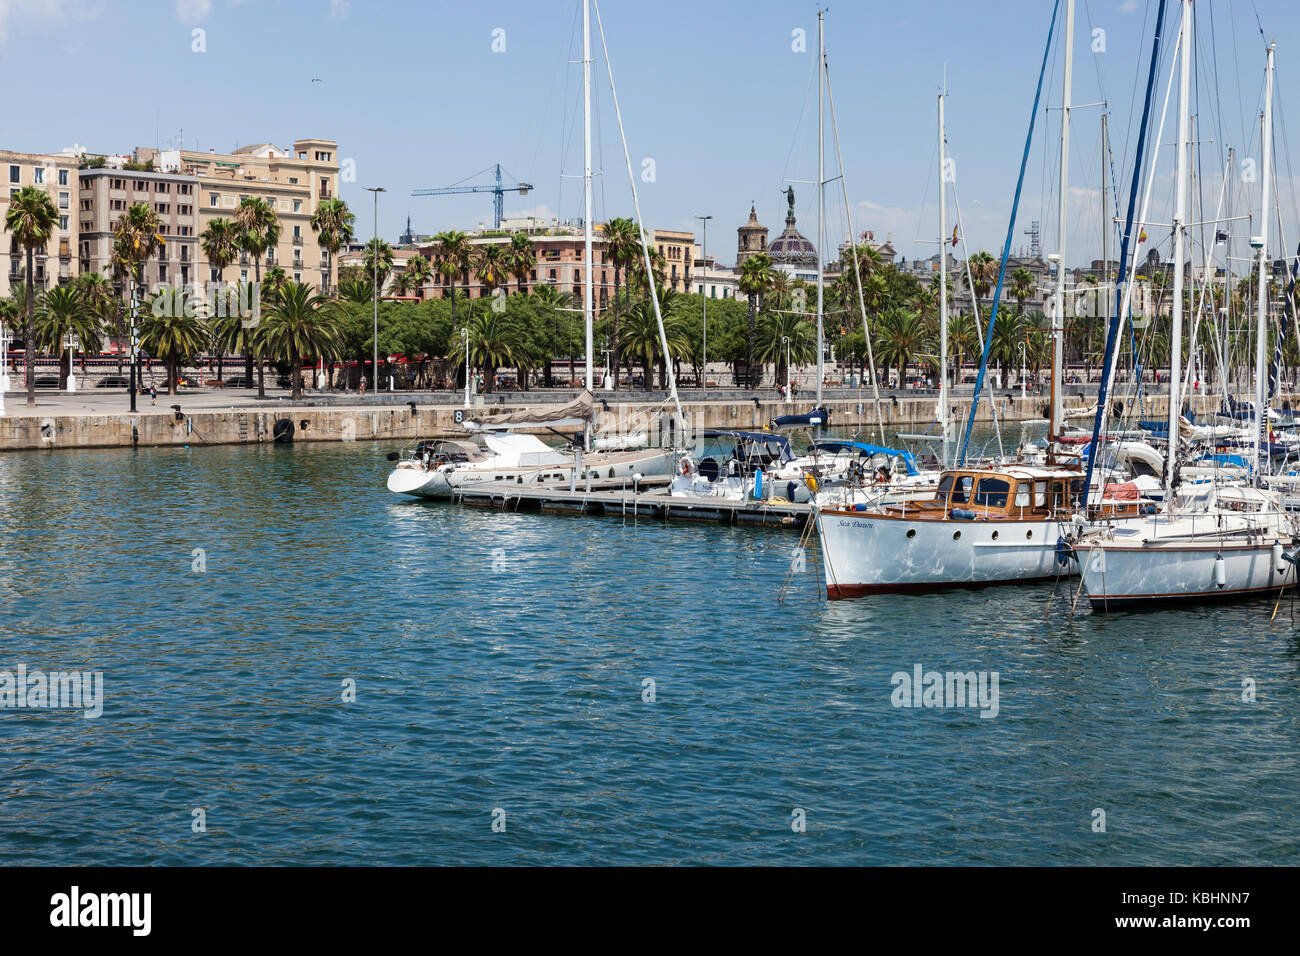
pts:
[1226, 540]
[436, 469]
[982, 524]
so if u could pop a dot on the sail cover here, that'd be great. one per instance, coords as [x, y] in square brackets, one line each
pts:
[577, 412]
[818, 416]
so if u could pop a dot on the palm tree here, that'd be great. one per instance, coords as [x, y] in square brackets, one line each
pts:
[452, 254]
[755, 278]
[494, 341]
[1022, 286]
[332, 222]
[300, 323]
[273, 284]
[259, 230]
[963, 340]
[166, 329]
[32, 218]
[773, 331]
[220, 243]
[101, 302]
[622, 248]
[63, 310]
[490, 264]
[641, 339]
[378, 253]
[417, 274]
[359, 290]
[136, 237]
[520, 258]
[983, 273]
[903, 338]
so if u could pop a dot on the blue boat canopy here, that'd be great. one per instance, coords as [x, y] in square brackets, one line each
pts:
[866, 450]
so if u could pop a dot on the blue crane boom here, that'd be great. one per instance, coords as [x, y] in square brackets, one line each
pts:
[498, 190]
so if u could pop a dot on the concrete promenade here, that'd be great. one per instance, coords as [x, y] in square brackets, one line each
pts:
[101, 417]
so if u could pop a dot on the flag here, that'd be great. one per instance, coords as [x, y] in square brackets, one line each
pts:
[1142, 236]
[954, 237]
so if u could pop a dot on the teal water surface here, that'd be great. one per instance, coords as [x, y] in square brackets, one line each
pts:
[502, 663]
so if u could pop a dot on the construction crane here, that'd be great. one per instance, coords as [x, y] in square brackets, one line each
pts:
[499, 190]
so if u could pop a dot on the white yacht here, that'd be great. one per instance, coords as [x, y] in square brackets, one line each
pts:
[437, 468]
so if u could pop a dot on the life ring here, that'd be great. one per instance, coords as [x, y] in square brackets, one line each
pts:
[687, 467]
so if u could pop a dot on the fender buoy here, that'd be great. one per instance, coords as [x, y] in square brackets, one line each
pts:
[758, 485]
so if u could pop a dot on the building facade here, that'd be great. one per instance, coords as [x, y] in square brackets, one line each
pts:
[57, 175]
[294, 181]
[104, 194]
[678, 250]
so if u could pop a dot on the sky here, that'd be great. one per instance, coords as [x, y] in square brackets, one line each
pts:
[719, 103]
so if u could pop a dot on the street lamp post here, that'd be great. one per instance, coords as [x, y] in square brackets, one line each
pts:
[5, 339]
[1022, 369]
[72, 344]
[704, 292]
[785, 340]
[376, 190]
[464, 334]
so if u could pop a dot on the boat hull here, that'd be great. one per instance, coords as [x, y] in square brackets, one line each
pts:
[1116, 577]
[441, 484]
[868, 553]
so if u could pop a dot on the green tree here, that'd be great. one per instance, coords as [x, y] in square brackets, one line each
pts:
[259, 230]
[755, 279]
[452, 255]
[622, 248]
[137, 235]
[300, 322]
[63, 310]
[31, 218]
[494, 341]
[332, 223]
[378, 261]
[220, 243]
[171, 329]
[520, 258]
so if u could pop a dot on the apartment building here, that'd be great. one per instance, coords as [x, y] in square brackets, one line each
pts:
[294, 182]
[559, 263]
[57, 175]
[104, 194]
[678, 250]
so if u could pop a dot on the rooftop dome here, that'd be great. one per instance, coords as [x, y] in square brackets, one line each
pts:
[792, 247]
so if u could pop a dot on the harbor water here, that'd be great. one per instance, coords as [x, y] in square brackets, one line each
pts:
[300, 668]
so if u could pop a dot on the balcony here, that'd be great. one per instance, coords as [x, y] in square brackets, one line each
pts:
[297, 240]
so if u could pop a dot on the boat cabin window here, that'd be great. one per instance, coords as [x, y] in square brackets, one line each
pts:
[1056, 501]
[960, 491]
[1022, 496]
[1040, 494]
[1076, 492]
[992, 492]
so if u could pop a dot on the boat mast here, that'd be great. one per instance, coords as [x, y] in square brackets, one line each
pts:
[1180, 239]
[1262, 241]
[821, 198]
[586, 188]
[1105, 210]
[1058, 310]
[943, 285]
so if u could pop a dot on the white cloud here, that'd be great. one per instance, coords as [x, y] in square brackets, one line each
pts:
[1128, 6]
[191, 12]
[39, 13]
[339, 8]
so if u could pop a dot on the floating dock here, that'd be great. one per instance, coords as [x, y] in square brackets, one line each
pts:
[618, 499]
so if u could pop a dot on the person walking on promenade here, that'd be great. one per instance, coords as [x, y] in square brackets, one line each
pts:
[153, 394]
[363, 385]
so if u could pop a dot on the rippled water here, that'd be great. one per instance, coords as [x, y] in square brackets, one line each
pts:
[499, 662]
